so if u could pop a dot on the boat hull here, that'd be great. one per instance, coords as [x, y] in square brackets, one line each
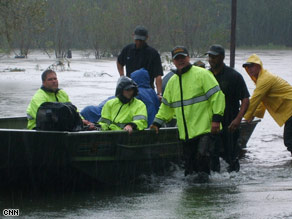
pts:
[50, 158]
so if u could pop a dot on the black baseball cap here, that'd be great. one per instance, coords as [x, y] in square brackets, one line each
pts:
[216, 50]
[140, 33]
[247, 64]
[179, 50]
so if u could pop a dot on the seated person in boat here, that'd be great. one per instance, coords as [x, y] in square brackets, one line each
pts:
[49, 92]
[146, 94]
[124, 112]
[193, 95]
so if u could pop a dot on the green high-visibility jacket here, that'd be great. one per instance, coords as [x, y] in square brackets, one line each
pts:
[196, 100]
[115, 115]
[40, 97]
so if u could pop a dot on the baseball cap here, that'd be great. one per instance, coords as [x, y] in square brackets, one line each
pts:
[140, 33]
[216, 50]
[247, 64]
[179, 50]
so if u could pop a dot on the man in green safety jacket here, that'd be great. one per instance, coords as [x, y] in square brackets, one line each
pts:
[49, 92]
[193, 95]
[124, 112]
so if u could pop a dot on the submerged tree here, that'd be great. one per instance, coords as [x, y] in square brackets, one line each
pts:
[23, 21]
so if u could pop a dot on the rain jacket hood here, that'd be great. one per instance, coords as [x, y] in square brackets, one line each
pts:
[271, 93]
[146, 93]
[256, 60]
[125, 83]
[141, 77]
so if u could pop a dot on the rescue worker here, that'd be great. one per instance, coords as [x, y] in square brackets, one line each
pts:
[236, 94]
[140, 55]
[271, 93]
[49, 92]
[193, 95]
[124, 112]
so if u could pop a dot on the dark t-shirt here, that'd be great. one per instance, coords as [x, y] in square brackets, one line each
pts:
[146, 57]
[234, 88]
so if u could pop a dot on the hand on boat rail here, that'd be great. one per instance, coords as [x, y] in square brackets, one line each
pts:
[154, 127]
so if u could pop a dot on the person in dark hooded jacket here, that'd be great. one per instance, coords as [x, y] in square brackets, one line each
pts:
[125, 112]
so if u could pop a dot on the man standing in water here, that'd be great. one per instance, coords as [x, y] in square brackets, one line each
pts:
[193, 95]
[234, 88]
[271, 93]
[139, 55]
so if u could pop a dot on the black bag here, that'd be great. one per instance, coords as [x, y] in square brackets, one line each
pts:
[56, 116]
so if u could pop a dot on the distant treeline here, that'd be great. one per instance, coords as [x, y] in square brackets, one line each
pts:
[105, 26]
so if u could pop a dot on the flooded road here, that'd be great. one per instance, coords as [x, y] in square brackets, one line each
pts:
[261, 189]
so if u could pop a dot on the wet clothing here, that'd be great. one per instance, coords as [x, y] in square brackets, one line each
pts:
[121, 111]
[43, 95]
[146, 94]
[93, 113]
[196, 100]
[235, 90]
[274, 94]
[115, 115]
[165, 79]
[288, 134]
[146, 57]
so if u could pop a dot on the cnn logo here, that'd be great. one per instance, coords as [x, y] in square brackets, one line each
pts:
[11, 212]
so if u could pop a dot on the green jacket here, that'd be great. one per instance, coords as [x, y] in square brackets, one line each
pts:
[196, 100]
[115, 115]
[40, 97]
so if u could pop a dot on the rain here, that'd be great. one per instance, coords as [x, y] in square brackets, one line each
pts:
[263, 186]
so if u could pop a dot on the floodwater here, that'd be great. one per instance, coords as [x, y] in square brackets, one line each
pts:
[261, 189]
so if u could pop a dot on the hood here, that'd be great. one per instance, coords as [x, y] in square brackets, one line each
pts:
[141, 77]
[49, 90]
[123, 84]
[256, 60]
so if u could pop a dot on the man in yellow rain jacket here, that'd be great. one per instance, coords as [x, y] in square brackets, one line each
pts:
[271, 93]
[193, 95]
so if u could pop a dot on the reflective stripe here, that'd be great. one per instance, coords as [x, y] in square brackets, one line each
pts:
[107, 121]
[159, 121]
[192, 100]
[29, 117]
[139, 117]
[121, 125]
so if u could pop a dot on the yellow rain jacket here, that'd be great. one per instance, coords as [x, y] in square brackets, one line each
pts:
[271, 93]
[196, 100]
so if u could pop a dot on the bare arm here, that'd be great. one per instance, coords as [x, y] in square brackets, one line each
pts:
[120, 69]
[236, 122]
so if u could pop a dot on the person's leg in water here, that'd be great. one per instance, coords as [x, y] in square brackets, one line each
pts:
[288, 134]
